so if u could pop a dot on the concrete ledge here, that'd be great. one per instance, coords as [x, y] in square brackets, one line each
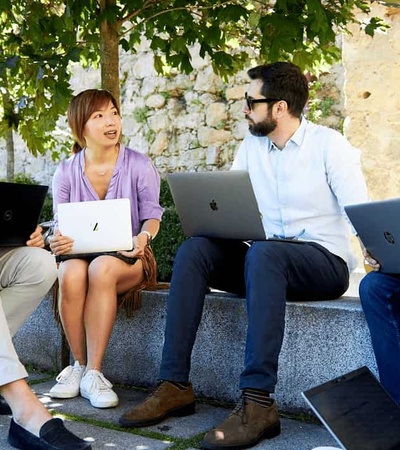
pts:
[322, 340]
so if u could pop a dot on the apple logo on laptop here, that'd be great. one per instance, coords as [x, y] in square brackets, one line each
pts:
[389, 237]
[213, 205]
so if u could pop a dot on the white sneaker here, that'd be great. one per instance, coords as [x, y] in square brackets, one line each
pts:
[98, 390]
[326, 448]
[68, 382]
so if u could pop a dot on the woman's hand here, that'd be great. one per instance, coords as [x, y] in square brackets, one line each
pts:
[60, 244]
[36, 238]
[139, 243]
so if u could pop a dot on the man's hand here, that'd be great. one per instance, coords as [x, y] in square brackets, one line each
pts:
[36, 238]
[368, 259]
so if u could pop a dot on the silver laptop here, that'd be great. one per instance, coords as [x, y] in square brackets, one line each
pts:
[97, 226]
[20, 207]
[378, 225]
[357, 411]
[217, 204]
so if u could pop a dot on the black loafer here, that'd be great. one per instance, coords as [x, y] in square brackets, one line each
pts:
[5, 410]
[53, 436]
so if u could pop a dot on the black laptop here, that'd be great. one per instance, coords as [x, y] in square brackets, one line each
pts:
[20, 208]
[357, 411]
[378, 225]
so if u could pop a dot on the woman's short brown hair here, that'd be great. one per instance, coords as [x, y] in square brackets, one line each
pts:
[82, 107]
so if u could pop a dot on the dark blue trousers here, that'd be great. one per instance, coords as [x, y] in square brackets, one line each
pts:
[380, 299]
[267, 274]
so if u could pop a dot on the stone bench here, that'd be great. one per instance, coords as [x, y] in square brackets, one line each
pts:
[322, 340]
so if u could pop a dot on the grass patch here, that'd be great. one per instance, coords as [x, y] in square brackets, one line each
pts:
[178, 443]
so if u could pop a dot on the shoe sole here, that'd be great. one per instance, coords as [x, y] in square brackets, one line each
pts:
[177, 412]
[62, 395]
[100, 405]
[267, 434]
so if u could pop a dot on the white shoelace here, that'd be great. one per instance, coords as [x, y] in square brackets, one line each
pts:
[66, 376]
[101, 383]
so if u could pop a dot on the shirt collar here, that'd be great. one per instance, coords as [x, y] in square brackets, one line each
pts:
[297, 138]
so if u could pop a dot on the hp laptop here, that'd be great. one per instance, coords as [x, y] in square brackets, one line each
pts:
[217, 204]
[357, 411]
[378, 225]
[20, 207]
[97, 226]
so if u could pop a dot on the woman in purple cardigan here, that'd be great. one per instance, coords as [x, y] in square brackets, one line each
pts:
[100, 168]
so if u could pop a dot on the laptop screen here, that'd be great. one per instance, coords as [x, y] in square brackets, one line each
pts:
[357, 411]
[20, 207]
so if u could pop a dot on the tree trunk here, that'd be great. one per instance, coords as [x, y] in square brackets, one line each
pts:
[9, 116]
[109, 53]
[10, 155]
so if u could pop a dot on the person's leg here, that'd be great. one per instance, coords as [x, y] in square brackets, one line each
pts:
[380, 299]
[32, 426]
[274, 272]
[73, 285]
[72, 278]
[26, 275]
[107, 277]
[200, 262]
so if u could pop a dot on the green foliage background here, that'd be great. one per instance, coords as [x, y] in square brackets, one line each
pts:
[170, 236]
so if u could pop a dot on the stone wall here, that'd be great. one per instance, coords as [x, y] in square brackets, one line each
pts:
[184, 122]
[372, 101]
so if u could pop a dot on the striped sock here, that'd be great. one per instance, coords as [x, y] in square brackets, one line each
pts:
[179, 385]
[257, 396]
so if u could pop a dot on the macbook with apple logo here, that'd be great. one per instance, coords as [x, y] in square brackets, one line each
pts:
[218, 204]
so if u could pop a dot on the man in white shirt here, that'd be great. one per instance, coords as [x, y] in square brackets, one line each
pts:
[302, 175]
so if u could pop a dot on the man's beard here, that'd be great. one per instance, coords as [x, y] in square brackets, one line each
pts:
[263, 128]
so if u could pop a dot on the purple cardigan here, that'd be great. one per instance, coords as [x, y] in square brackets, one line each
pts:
[134, 177]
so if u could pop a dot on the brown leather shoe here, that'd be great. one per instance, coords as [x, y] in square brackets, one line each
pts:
[167, 400]
[246, 426]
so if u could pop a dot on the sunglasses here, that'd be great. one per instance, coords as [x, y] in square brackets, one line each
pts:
[250, 101]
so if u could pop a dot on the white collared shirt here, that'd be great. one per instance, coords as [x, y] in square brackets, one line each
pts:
[301, 190]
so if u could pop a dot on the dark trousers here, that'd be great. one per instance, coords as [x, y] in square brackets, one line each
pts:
[380, 299]
[268, 273]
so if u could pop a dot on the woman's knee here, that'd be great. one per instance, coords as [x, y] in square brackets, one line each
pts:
[73, 271]
[104, 270]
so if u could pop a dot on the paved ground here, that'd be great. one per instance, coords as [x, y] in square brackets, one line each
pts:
[184, 433]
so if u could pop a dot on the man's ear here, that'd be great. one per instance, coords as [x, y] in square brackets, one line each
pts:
[280, 108]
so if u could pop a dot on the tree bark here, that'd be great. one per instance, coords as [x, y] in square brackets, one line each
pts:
[10, 155]
[109, 54]
[9, 116]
